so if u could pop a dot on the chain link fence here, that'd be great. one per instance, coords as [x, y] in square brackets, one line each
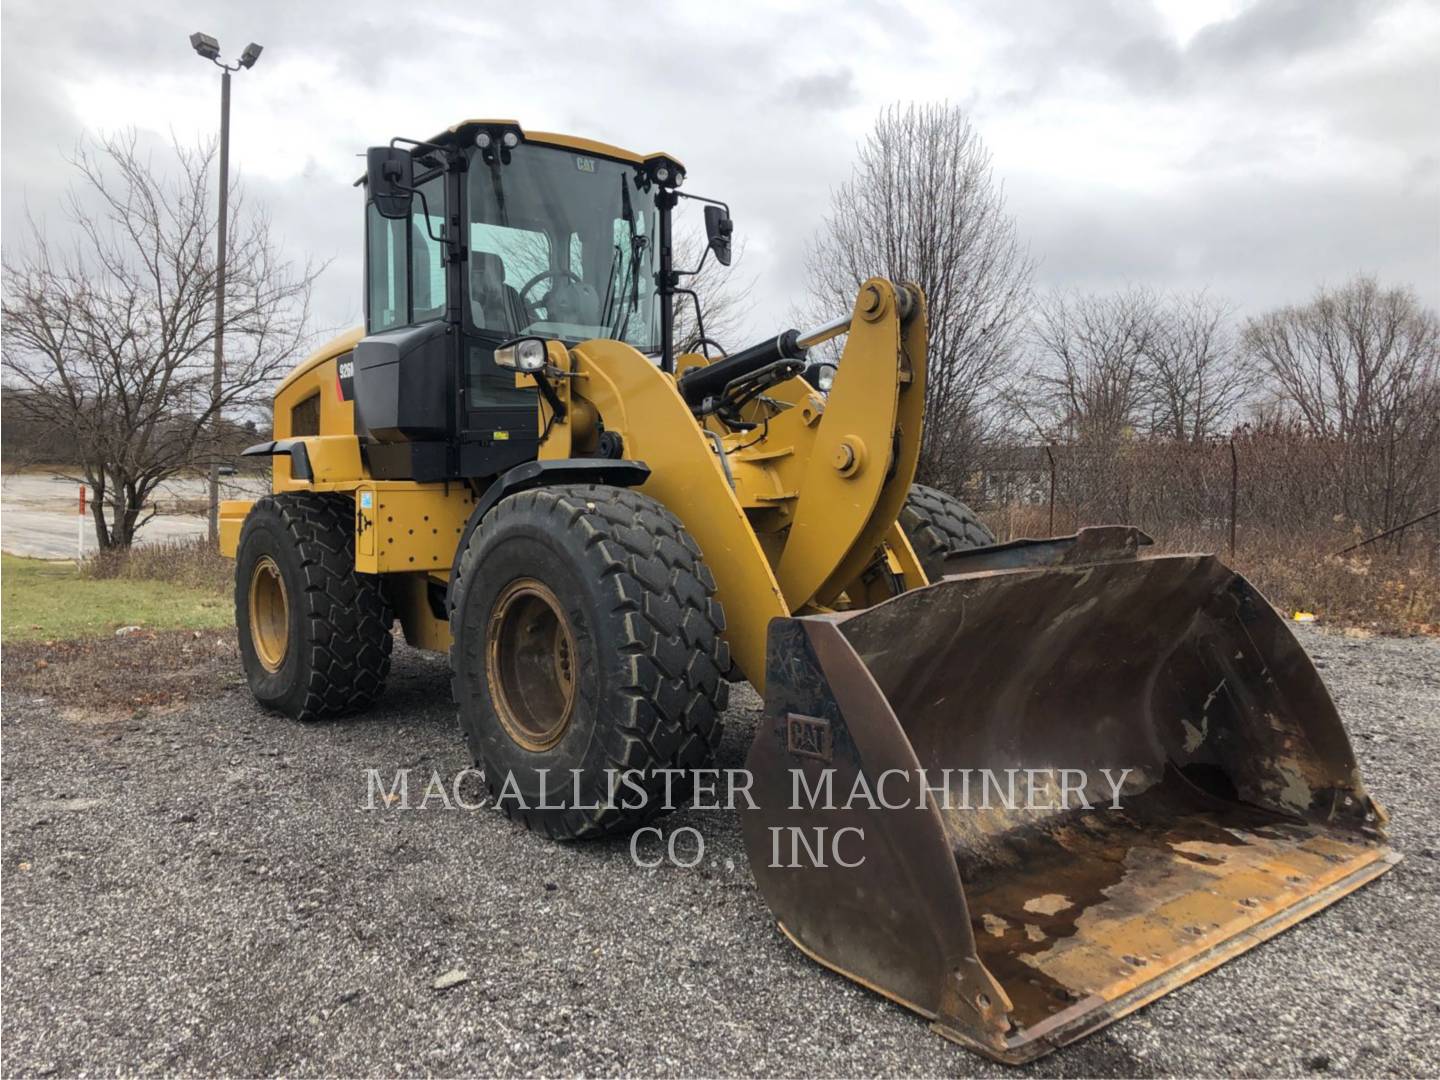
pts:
[1247, 493]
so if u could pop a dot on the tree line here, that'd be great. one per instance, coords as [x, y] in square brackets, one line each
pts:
[1347, 383]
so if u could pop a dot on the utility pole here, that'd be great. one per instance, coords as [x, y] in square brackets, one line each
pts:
[218, 375]
[209, 48]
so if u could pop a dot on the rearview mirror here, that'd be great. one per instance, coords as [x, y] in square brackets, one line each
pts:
[718, 229]
[390, 178]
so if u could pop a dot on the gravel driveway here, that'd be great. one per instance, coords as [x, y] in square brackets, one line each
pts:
[206, 891]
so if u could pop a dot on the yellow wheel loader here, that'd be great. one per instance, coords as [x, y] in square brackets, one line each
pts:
[1019, 788]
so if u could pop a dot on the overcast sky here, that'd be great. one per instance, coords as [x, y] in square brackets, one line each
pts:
[1254, 147]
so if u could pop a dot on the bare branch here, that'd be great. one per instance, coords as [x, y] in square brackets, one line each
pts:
[922, 205]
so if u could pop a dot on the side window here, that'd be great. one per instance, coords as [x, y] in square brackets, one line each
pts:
[388, 292]
[427, 265]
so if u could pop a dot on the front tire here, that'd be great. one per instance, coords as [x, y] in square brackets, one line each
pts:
[937, 524]
[587, 645]
[314, 634]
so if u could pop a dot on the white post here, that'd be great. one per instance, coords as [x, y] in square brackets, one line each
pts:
[80, 528]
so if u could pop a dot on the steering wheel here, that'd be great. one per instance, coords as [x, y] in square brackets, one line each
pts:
[546, 275]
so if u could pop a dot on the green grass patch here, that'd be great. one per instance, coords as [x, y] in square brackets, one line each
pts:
[46, 600]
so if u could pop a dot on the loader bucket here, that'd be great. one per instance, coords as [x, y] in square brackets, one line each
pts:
[932, 817]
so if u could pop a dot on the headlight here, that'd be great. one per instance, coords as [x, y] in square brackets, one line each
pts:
[821, 376]
[522, 354]
[667, 172]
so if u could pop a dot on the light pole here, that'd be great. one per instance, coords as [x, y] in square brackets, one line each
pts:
[209, 48]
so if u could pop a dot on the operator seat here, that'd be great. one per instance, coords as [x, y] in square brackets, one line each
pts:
[496, 305]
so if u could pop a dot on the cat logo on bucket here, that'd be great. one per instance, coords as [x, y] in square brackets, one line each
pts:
[808, 736]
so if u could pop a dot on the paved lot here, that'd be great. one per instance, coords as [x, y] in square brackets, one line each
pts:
[38, 512]
[205, 891]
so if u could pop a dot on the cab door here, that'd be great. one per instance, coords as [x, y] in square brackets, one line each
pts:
[501, 421]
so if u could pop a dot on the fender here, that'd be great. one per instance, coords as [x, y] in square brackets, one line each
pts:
[294, 449]
[545, 473]
[325, 462]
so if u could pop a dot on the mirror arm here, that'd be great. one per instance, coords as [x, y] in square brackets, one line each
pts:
[701, 198]
[415, 192]
[427, 146]
[691, 273]
[702, 339]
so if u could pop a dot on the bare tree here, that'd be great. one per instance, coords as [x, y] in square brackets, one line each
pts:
[110, 337]
[922, 204]
[1194, 380]
[1088, 379]
[1359, 368]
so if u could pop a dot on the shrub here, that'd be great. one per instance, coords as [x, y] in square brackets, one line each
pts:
[192, 562]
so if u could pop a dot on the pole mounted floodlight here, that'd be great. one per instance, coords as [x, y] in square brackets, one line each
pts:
[205, 45]
[209, 48]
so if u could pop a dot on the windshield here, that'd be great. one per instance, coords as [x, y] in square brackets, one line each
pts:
[562, 246]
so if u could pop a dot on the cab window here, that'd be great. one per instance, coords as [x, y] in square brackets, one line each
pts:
[387, 300]
[503, 260]
[427, 254]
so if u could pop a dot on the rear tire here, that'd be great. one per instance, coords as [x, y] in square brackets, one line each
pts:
[936, 524]
[314, 634]
[587, 638]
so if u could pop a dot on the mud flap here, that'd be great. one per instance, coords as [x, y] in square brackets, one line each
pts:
[1024, 802]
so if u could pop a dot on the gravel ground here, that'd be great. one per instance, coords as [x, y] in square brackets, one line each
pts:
[205, 891]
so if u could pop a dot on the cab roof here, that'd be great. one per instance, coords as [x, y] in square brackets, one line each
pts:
[467, 129]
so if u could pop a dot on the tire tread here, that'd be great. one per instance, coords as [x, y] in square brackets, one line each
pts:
[662, 599]
[346, 614]
[937, 523]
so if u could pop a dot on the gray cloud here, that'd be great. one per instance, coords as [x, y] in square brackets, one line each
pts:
[1046, 44]
[1282, 30]
[822, 90]
[1257, 245]
[1298, 145]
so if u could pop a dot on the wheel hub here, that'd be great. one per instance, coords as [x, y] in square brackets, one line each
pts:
[530, 660]
[269, 614]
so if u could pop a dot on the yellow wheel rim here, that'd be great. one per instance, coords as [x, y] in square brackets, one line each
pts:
[530, 663]
[269, 613]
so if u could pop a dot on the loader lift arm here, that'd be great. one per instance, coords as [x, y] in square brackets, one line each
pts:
[787, 518]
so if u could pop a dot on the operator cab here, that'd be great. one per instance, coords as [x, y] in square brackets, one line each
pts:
[483, 235]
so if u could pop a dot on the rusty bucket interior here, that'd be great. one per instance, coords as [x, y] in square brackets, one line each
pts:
[1100, 779]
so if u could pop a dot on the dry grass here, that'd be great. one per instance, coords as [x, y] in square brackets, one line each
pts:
[1373, 588]
[137, 671]
[194, 563]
